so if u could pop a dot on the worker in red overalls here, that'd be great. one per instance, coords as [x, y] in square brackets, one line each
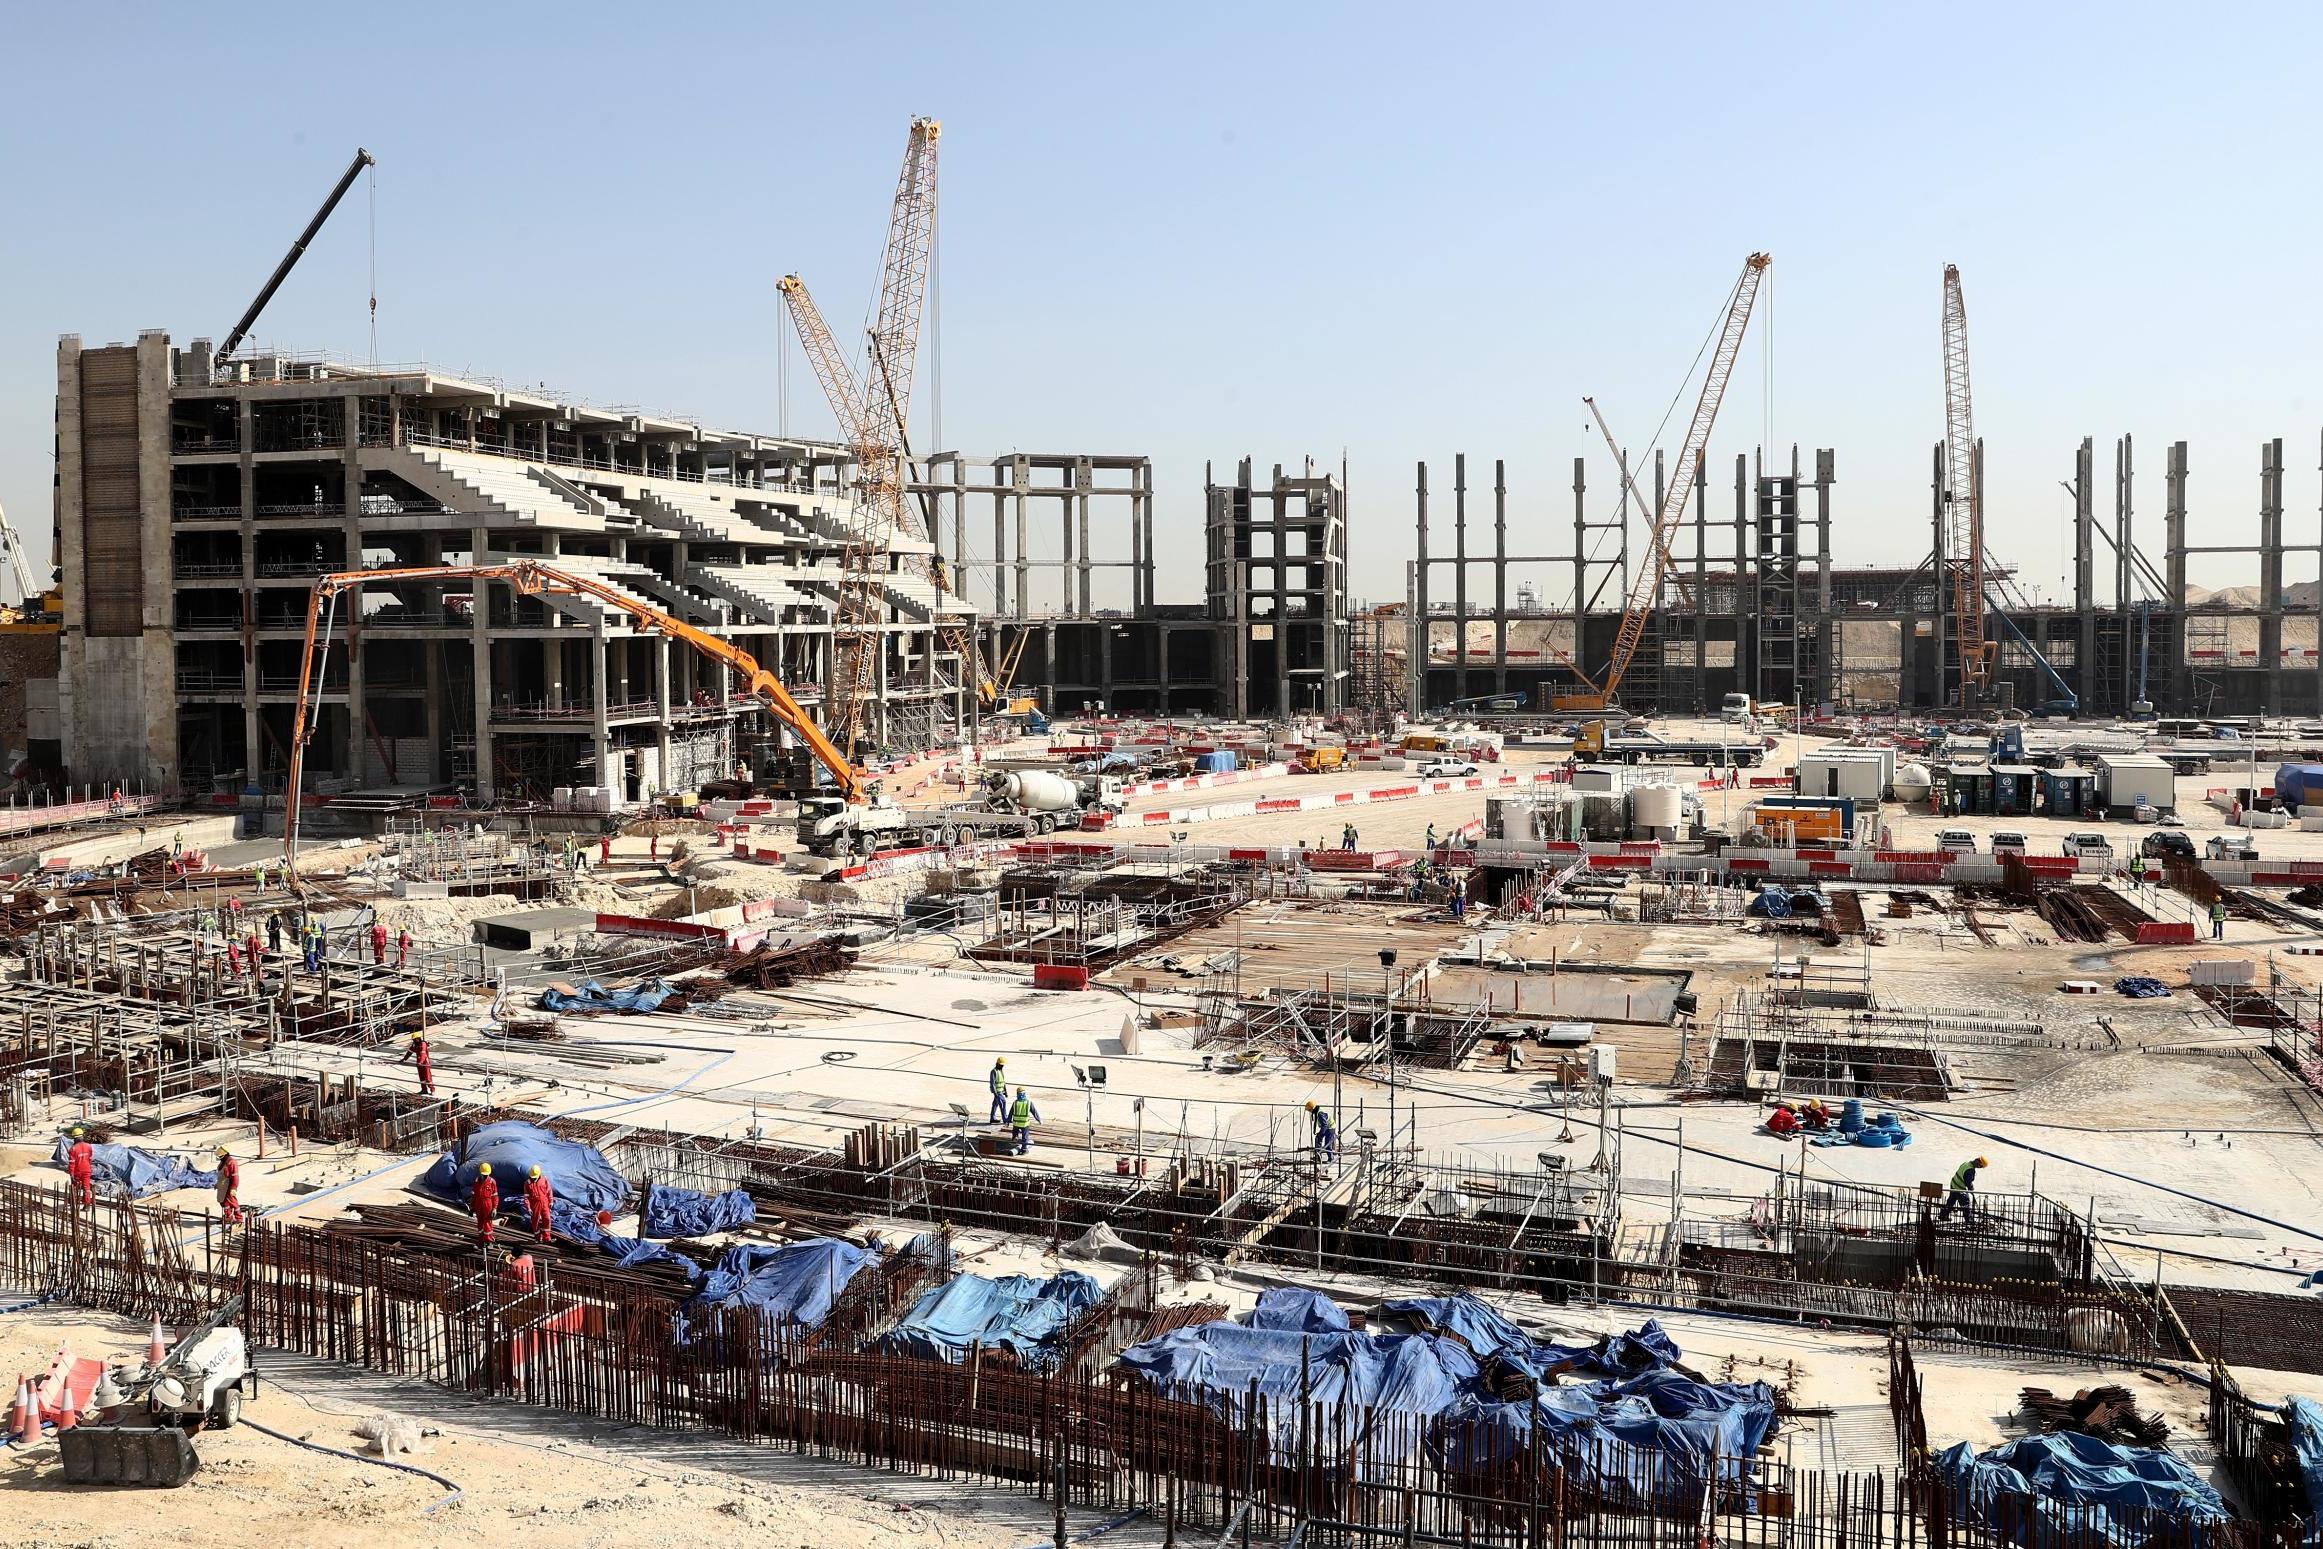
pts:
[234, 957]
[81, 1167]
[250, 950]
[403, 946]
[538, 1197]
[605, 850]
[418, 1055]
[1782, 1122]
[484, 1202]
[229, 1187]
[378, 945]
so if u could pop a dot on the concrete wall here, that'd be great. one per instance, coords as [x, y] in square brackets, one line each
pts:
[117, 696]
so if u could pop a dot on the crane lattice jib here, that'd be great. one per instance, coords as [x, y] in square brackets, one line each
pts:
[903, 272]
[1646, 588]
[1964, 514]
[856, 620]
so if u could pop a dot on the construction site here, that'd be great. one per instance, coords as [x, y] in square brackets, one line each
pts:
[538, 928]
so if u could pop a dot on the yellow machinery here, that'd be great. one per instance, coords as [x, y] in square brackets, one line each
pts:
[1317, 760]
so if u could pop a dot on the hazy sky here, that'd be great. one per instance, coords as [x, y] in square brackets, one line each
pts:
[1200, 232]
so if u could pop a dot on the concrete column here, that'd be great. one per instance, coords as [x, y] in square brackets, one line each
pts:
[2085, 683]
[1419, 581]
[2174, 563]
[1944, 687]
[600, 706]
[1460, 575]
[480, 654]
[2270, 577]
[1499, 576]
[1826, 627]
[1701, 583]
[253, 728]
[1019, 473]
[351, 558]
[1580, 556]
[2125, 474]
[1081, 480]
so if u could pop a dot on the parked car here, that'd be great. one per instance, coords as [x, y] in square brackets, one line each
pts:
[2167, 844]
[2231, 847]
[2007, 841]
[1447, 769]
[2089, 847]
[1959, 841]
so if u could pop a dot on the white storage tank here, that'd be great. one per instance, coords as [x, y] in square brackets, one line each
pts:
[1913, 782]
[1657, 807]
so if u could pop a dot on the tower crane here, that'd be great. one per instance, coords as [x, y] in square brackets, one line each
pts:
[531, 578]
[873, 423]
[1963, 503]
[1645, 589]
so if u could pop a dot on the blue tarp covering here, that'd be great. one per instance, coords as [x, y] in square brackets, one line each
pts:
[1292, 1310]
[691, 1213]
[138, 1171]
[2140, 987]
[1219, 762]
[794, 1283]
[1018, 1314]
[1636, 1398]
[578, 1174]
[2036, 1486]
[574, 1224]
[595, 997]
[2306, 1422]
[1647, 1437]
[2298, 785]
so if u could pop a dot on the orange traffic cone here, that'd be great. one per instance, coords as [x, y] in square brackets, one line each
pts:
[65, 1418]
[17, 1408]
[155, 1350]
[27, 1414]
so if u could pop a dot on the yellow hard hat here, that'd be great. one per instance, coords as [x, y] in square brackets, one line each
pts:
[533, 1173]
[1981, 1162]
[78, 1132]
[999, 1059]
[484, 1169]
[222, 1151]
[1310, 1107]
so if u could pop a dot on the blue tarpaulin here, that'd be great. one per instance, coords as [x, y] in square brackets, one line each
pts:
[1290, 1309]
[1648, 1437]
[137, 1171]
[1483, 1329]
[2306, 1422]
[2141, 987]
[573, 1224]
[792, 1283]
[691, 1213]
[592, 997]
[578, 1174]
[1019, 1314]
[1406, 1373]
[2071, 1481]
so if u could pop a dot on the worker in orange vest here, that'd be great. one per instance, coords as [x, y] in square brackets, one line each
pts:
[484, 1202]
[418, 1055]
[229, 1187]
[538, 1197]
[81, 1166]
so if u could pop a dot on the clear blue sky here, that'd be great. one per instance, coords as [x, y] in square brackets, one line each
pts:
[1203, 231]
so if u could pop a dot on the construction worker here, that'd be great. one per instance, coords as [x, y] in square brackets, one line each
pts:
[2218, 919]
[229, 1187]
[605, 850]
[484, 1202]
[1430, 841]
[312, 943]
[258, 877]
[1326, 1137]
[81, 1167]
[378, 945]
[1963, 1191]
[2137, 869]
[1816, 1115]
[274, 935]
[538, 1197]
[418, 1054]
[523, 1274]
[999, 1080]
[403, 946]
[1782, 1123]
[234, 958]
[1021, 1116]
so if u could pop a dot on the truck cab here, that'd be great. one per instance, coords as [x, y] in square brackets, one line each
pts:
[1956, 841]
[1734, 708]
[2088, 847]
[2007, 841]
[2237, 846]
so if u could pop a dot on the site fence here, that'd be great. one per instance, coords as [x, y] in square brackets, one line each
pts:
[1263, 1466]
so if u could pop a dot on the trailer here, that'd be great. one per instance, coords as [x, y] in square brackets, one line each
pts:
[1656, 750]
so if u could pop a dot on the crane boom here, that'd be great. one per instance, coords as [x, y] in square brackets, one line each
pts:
[531, 578]
[1647, 587]
[241, 331]
[1963, 507]
[28, 595]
